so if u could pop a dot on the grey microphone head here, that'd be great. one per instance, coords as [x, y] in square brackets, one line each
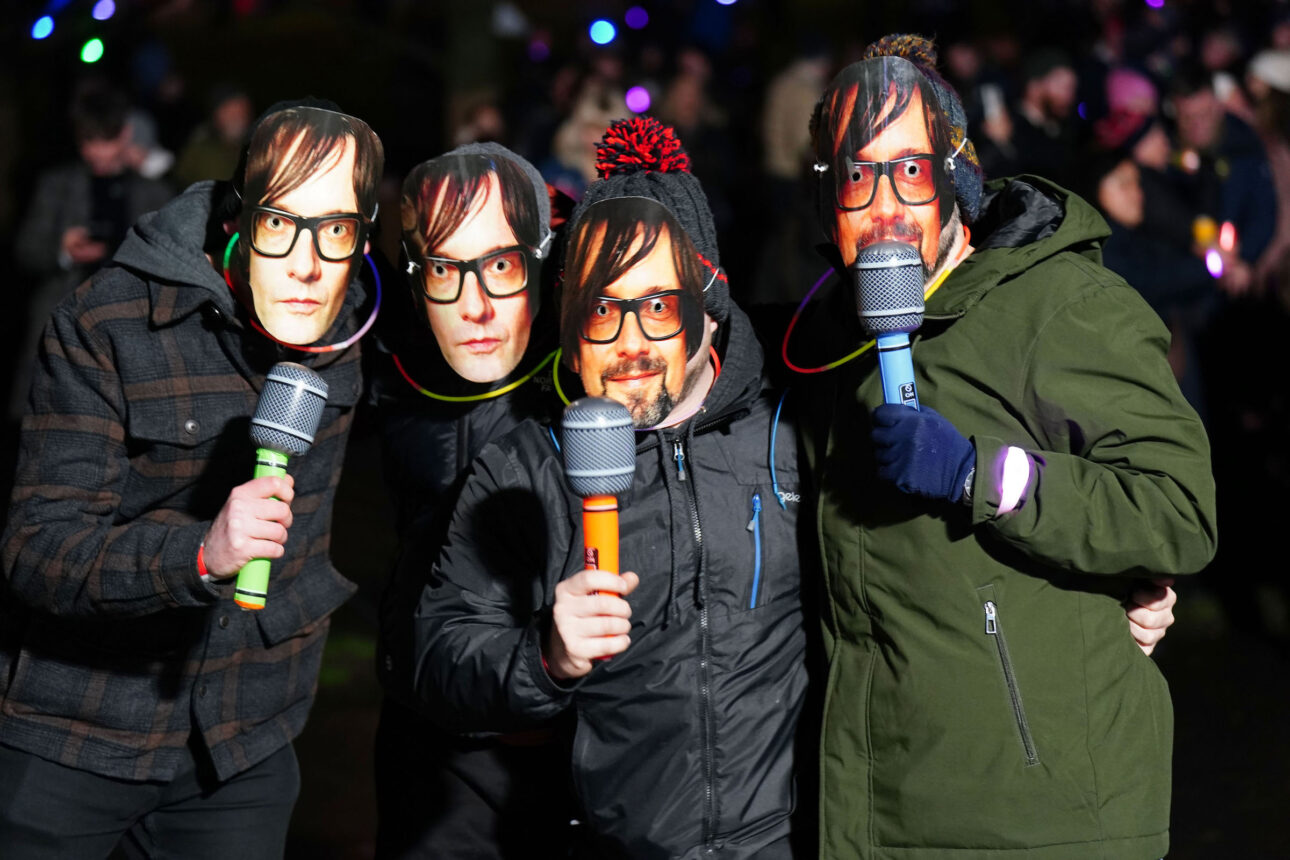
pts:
[889, 287]
[599, 447]
[290, 407]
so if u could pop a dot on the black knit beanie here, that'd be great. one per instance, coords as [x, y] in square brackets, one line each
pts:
[641, 157]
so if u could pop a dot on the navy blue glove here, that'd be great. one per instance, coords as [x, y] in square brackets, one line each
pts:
[920, 452]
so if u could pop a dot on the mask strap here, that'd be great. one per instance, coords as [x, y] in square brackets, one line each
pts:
[949, 159]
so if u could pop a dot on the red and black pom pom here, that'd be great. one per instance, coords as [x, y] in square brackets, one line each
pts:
[640, 144]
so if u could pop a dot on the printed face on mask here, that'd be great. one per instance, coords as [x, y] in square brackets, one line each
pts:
[484, 331]
[298, 295]
[651, 377]
[905, 178]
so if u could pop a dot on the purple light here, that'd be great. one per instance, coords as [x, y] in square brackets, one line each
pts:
[1214, 263]
[636, 18]
[726, 2]
[1016, 475]
[638, 100]
[1156, 4]
[103, 10]
[1082, 110]
[539, 50]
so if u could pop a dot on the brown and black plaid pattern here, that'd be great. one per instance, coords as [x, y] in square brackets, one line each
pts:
[113, 651]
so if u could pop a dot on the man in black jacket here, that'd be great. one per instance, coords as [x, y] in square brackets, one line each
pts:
[467, 354]
[684, 735]
[135, 700]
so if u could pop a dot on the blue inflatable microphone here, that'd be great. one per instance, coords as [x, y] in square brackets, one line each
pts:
[888, 279]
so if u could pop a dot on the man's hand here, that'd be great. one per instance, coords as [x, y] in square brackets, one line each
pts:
[921, 452]
[80, 248]
[590, 620]
[1151, 610]
[252, 524]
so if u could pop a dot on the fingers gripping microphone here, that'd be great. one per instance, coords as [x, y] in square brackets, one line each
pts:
[599, 449]
[889, 298]
[286, 419]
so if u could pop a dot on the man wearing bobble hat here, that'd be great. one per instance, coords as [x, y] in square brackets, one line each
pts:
[686, 700]
[1051, 461]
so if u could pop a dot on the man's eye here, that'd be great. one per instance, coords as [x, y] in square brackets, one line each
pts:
[276, 223]
[439, 270]
[501, 265]
[657, 306]
[601, 310]
[338, 229]
[912, 169]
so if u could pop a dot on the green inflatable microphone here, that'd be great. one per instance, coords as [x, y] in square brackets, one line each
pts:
[286, 419]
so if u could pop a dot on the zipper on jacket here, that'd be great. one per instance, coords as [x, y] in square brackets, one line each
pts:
[754, 526]
[705, 674]
[992, 628]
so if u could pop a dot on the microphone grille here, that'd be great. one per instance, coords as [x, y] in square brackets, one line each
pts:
[599, 447]
[290, 407]
[889, 287]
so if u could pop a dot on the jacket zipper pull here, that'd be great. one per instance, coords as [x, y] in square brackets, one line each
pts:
[756, 509]
[991, 618]
[679, 450]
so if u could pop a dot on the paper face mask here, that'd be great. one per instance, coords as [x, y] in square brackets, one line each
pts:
[473, 233]
[308, 200]
[632, 319]
[884, 156]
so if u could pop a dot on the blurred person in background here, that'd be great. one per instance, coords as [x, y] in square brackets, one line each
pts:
[212, 149]
[1042, 138]
[572, 163]
[79, 213]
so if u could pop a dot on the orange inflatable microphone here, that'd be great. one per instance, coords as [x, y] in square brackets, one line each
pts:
[599, 448]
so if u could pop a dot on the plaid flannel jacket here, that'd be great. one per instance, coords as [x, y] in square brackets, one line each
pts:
[113, 650]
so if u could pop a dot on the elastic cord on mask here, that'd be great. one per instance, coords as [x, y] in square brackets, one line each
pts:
[797, 315]
[255, 324]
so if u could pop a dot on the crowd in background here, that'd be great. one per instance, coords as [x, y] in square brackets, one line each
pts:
[1172, 118]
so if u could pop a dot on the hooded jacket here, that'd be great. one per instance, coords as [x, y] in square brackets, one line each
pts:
[683, 744]
[113, 649]
[984, 697]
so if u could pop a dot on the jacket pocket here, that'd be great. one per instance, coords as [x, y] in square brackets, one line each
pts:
[754, 526]
[994, 629]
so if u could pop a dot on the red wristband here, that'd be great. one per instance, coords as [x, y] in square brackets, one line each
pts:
[201, 562]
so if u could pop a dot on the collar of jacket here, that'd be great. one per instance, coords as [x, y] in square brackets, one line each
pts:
[1024, 220]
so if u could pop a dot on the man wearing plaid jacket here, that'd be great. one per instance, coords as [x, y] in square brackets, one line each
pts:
[138, 705]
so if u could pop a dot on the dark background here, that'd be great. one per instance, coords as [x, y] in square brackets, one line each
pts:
[413, 70]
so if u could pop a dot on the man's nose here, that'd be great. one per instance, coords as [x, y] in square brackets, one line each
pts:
[303, 263]
[885, 202]
[474, 304]
[631, 338]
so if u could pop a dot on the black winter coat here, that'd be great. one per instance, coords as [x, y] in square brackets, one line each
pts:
[684, 743]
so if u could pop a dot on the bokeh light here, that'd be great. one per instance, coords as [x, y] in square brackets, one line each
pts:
[42, 28]
[103, 10]
[636, 17]
[539, 50]
[92, 51]
[1214, 263]
[638, 100]
[1156, 4]
[1227, 236]
[726, 2]
[602, 31]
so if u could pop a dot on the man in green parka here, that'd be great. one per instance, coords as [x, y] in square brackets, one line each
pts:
[1052, 463]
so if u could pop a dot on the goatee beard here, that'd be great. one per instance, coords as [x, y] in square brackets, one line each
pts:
[647, 409]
